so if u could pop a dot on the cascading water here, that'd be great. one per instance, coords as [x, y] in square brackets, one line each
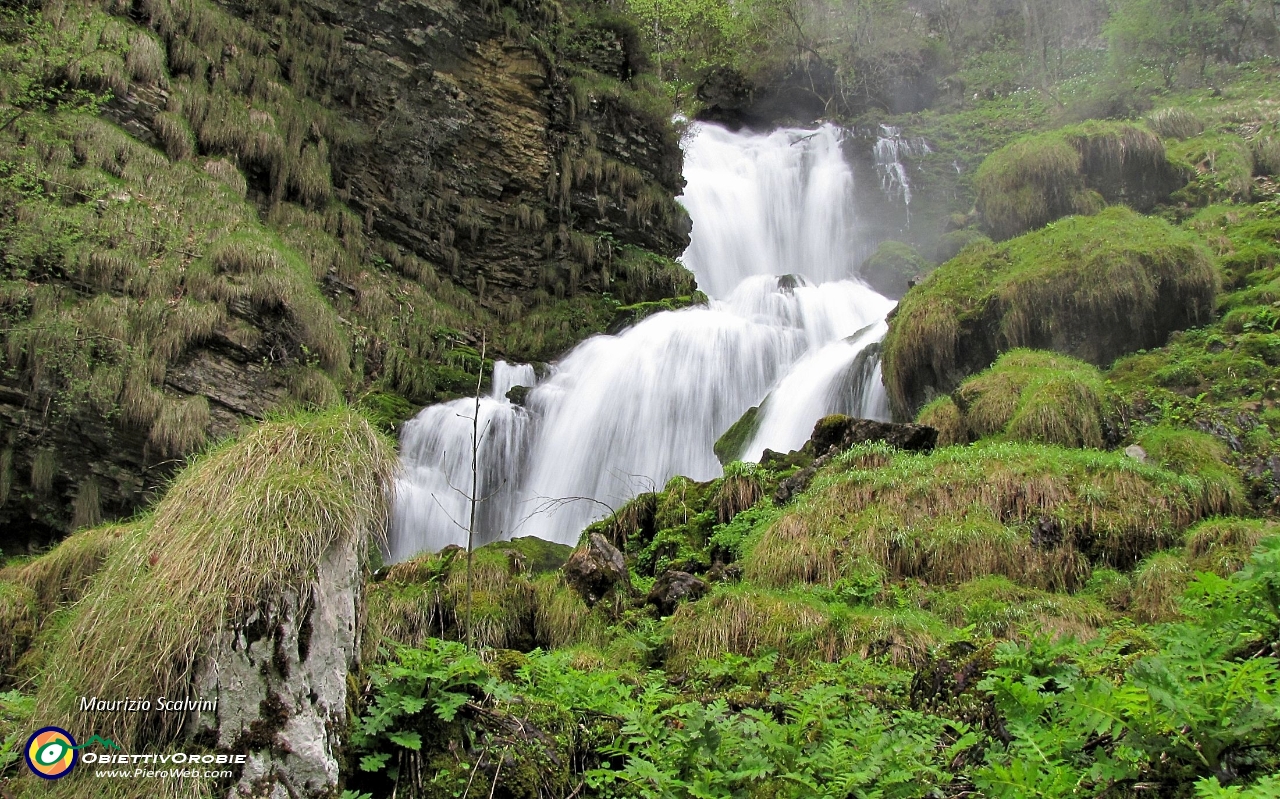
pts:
[773, 246]
[889, 151]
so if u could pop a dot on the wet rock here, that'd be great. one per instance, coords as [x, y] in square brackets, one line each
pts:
[596, 569]
[836, 433]
[674, 587]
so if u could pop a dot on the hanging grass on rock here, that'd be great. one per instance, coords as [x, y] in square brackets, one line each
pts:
[1093, 287]
[1074, 170]
[242, 524]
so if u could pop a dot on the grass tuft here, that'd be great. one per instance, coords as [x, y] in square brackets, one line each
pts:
[240, 525]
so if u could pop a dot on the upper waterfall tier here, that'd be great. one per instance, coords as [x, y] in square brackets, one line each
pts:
[773, 204]
[775, 247]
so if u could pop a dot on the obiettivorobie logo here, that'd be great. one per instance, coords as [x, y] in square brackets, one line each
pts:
[51, 753]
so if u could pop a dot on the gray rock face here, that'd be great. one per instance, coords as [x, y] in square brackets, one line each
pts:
[596, 569]
[280, 681]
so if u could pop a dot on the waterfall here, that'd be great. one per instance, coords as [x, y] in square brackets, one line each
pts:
[773, 246]
[432, 510]
[890, 149]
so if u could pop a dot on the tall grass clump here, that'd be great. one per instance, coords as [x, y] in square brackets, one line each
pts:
[1175, 122]
[241, 525]
[1031, 396]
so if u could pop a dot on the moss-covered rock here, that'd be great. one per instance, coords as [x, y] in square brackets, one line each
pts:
[1091, 287]
[1031, 396]
[1073, 170]
[892, 268]
[628, 315]
[1039, 515]
[730, 446]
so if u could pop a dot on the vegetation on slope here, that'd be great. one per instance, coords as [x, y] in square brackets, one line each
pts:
[141, 605]
[1094, 287]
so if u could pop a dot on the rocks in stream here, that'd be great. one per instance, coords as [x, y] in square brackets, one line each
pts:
[596, 569]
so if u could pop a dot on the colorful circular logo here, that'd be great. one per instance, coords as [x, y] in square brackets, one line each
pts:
[51, 753]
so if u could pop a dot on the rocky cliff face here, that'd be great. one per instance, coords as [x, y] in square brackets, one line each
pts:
[303, 203]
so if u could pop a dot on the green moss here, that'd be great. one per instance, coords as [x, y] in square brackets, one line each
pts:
[729, 447]
[628, 315]
[1091, 287]
[535, 555]
[1030, 396]
[386, 409]
[1074, 170]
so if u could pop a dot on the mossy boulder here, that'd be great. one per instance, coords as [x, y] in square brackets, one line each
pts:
[1032, 396]
[1094, 288]
[1220, 166]
[1073, 170]
[893, 267]
[729, 447]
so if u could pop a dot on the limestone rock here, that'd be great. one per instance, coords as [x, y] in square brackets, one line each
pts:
[674, 587]
[280, 681]
[596, 569]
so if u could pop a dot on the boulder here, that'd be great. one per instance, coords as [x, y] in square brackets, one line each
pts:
[674, 587]
[835, 433]
[279, 679]
[596, 569]
[1094, 288]
[893, 268]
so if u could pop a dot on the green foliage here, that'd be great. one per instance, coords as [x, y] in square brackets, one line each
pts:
[1092, 287]
[1203, 705]
[1029, 396]
[416, 696]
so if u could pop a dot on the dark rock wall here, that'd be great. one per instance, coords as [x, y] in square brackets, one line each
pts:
[508, 147]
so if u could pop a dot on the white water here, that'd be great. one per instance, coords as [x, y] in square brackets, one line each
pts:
[889, 151]
[623, 414]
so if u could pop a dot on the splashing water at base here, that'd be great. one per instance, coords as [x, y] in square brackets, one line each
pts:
[773, 247]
